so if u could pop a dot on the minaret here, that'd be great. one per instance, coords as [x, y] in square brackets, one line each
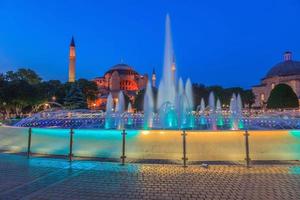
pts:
[153, 78]
[173, 68]
[72, 61]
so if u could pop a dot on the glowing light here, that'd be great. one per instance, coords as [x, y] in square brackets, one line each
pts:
[145, 132]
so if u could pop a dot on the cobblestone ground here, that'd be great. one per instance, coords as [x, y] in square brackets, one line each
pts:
[41, 179]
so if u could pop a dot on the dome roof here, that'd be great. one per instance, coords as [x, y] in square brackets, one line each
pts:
[286, 68]
[122, 69]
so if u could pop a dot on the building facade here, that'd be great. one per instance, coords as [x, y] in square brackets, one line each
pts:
[120, 77]
[287, 72]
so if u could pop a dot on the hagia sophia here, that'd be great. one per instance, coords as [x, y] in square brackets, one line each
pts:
[118, 77]
[287, 72]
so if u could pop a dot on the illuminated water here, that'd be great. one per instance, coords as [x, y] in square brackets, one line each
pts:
[156, 144]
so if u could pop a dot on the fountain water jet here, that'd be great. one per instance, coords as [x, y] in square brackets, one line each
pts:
[167, 90]
[220, 120]
[236, 107]
[109, 111]
[211, 104]
[148, 107]
[120, 108]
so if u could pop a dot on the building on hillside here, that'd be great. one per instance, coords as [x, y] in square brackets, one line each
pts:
[287, 72]
[120, 77]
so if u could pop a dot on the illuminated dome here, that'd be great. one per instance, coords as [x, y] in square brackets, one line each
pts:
[286, 68]
[122, 69]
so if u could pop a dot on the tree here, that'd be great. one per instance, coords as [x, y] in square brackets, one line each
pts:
[22, 74]
[248, 97]
[282, 96]
[89, 88]
[18, 95]
[139, 100]
[199, 91]
[75, 99]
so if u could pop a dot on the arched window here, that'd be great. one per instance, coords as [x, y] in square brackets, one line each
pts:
[272, 85]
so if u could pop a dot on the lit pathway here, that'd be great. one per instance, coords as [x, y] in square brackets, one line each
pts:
[40, 178]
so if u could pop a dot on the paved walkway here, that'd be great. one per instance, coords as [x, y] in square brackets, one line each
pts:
[56, 179]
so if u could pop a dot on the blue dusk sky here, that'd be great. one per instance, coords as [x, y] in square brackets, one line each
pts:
[217, 42]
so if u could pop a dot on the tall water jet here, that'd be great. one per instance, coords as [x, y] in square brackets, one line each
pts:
[189, 107]
[233, 112]
[203, 121]
[180, 87]
[120, 110]
[167, 90]
[220, 120]
[180, 93]
[202, 106]
[148, 107]
[189, 94]
[239, 111]
[180, 102]
[211, 104]
[239, 103]
[120, 103]
[109, 111]
[129, 114]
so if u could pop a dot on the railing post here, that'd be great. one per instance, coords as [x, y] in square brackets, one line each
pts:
[71, 145]
[29, 142]
[184, 158]
[247, 148]
[123, 147]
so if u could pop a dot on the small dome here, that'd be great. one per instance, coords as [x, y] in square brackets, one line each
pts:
[122, 69]
[286, 68]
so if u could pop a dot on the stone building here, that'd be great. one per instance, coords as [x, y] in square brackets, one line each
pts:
[120, 77]
[287, 72]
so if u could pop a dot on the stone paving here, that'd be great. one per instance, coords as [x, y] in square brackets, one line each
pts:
[46, 178]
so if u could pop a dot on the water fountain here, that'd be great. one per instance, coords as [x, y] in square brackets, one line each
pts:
[148, 107]
[236, 112]
[172, 109]
[212, 114]
[109, 112]
[220, 119]
[202, 117]
[120, 108]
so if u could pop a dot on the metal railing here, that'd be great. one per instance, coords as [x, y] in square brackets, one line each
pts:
[123, 147]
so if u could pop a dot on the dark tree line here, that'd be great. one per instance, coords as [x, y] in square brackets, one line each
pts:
[224, 94]
[23, 90]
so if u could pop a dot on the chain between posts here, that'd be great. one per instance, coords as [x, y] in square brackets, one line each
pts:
[29, 142]
[123, 157]
[247, 148]
[184, 158]
[71, 145]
